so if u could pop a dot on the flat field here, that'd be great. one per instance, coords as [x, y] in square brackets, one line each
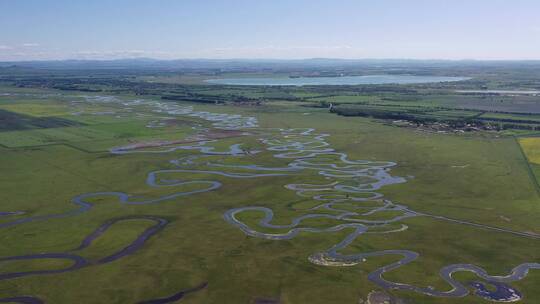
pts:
[135, 201]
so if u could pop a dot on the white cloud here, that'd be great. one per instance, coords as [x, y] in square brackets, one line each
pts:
[30, 44]
[119, 54]
[5, 47]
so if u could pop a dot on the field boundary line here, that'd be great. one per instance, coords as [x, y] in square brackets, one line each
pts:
[69, 145]
[529, 169]
[481, 226]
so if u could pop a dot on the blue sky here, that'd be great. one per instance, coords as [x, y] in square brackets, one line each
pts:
[167, 29]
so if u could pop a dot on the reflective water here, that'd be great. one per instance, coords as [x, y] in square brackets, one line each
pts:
[345, 80]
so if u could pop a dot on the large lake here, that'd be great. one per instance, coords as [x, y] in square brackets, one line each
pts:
[345, 80]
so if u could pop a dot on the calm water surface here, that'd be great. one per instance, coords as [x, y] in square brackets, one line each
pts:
[345, 80]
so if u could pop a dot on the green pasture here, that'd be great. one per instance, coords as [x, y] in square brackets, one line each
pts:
[477, 177]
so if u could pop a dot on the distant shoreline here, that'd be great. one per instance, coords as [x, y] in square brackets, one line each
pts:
[325, 80]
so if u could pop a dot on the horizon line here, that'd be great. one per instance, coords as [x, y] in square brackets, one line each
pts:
[268, 59]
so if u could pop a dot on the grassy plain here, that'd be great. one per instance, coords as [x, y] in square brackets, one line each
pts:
[479, 177]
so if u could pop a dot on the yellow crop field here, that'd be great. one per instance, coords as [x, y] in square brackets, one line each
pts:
[531, 147]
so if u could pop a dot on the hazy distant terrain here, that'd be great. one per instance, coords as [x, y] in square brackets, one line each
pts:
[138, 181]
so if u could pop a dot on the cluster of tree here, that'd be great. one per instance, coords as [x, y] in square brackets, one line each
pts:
[511, 120]
[506, 126]
[211, 99]
[455, 123]
[193, 99]
[382, 114]
[76, 88]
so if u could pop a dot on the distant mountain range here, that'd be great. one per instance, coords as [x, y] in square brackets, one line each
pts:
[249, 64]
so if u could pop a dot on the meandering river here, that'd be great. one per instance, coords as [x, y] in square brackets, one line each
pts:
[350, 195]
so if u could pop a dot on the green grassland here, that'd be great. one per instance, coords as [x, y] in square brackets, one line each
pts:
[476, 177]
